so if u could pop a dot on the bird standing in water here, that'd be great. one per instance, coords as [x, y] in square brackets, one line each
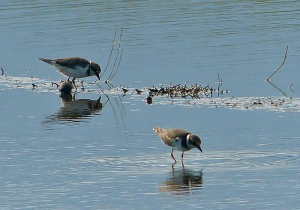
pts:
[74, 67]
[178, 139]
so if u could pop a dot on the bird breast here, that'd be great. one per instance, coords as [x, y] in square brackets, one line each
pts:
[177, 145]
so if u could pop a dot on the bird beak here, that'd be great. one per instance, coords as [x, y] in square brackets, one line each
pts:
[200, 149]
[97, 74]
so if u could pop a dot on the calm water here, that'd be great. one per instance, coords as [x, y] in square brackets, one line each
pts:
[101, 153]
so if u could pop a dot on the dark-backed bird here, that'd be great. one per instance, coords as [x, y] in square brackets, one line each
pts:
[74, 67]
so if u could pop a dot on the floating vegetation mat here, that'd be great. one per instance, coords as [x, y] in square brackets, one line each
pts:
[279, 104]
[182, 95]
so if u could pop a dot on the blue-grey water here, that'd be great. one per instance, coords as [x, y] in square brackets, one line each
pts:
[98, 151]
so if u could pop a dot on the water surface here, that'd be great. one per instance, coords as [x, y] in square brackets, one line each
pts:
[98, 151]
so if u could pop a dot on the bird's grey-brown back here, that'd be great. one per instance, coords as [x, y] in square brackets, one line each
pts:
[72, 62]
[170, 135]
[74, 67]
[67, 62]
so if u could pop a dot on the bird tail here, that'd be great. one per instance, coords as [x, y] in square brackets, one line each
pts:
[157, 130]
[49, 61]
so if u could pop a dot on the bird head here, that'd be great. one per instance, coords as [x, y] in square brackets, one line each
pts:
[195, 141]
[96, 69]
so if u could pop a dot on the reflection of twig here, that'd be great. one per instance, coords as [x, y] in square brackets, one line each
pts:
[280, 65]
[278, 88]
[121, 111]
[291, 87]
[113, 108]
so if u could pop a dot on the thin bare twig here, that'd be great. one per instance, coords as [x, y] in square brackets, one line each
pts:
[280, 65]
[118, 65]
[117, 56]
[109, 84]
[291, 87]
[220, 83]
[54, 83]
[112, 48]
[219, 80]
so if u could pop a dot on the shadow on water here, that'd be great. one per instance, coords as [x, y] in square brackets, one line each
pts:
[182, 181]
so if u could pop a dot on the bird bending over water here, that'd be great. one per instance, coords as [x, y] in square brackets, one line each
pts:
[74, 67]
[178, 139]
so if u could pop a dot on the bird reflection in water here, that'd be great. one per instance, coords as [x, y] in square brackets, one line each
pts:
[75, 110]
[182, 182]
[79, 110]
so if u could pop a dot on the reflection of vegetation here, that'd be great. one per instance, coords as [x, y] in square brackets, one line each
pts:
[183, 182]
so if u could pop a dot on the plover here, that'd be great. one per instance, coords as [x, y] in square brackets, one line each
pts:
[74, 67]
[178, 139]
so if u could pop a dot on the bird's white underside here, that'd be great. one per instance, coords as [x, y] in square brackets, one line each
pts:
[77, 72]
[177, 145]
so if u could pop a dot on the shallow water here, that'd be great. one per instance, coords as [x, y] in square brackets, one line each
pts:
[98, 150]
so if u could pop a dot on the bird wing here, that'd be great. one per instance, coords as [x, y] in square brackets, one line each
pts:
[170, 135]
[72, 62]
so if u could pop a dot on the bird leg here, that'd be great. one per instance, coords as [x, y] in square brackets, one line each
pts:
[182, 158]
[73, 82]
[173, 156]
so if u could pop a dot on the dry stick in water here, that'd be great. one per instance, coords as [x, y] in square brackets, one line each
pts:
[2, 72]
[219, 85]
[220, 80]
[118, 64]
[291, 87]
[109, 77]
[280, 65]
[112, 48]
